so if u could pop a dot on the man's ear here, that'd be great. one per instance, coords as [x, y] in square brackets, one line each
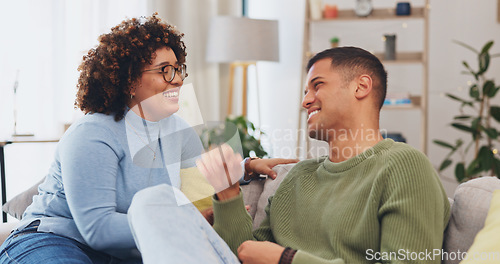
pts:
[363, 86]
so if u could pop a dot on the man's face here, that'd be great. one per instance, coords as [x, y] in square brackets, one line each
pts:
[328, 100]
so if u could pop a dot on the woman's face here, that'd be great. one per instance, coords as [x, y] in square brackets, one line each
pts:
[154, 98]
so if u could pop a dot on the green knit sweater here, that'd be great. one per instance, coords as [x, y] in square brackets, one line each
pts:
[384, 205]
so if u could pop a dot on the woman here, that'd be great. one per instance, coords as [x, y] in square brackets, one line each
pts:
[128, 140]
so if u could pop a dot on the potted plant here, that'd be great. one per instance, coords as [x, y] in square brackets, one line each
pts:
[484, 137]
[334, 42]
[248, 135]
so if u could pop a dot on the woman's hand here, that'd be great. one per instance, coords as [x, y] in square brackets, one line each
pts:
[222, 169]
[264, 166]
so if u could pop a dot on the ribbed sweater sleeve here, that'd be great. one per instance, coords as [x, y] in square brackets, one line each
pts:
[232, 222]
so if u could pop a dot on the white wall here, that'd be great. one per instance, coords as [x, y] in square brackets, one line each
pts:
[473, 22]
[46, 40]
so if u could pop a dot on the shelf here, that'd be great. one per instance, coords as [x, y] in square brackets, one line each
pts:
[402, 58]
[415, 104]
[377, 14]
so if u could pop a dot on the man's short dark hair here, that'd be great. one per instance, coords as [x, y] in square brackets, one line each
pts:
[353, 62]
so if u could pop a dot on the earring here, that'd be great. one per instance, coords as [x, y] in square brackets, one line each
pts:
[131, 96]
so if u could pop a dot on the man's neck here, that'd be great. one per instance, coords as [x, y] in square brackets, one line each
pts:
[348, 143]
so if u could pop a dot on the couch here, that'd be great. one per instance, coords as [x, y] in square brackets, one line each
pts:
[470, 206]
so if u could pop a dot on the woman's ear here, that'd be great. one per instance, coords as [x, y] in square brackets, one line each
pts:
[363, 86]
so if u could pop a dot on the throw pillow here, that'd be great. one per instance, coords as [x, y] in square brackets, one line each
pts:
[196, 188]
[17, 205]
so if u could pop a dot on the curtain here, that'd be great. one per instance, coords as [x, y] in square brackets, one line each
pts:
[43, 43]
[192, 17]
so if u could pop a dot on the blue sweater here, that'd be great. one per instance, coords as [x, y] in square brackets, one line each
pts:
[99, 165]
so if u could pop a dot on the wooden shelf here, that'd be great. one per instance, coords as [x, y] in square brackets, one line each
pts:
[377, 14]
[415, 104]
[402, 58]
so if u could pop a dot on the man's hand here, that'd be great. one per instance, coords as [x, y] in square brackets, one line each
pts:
[255, 252]
[265, 166]
[222, 169]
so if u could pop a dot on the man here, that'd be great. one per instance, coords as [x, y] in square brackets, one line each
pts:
[370, 200]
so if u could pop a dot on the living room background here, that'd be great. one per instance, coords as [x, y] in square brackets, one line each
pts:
[46, 39]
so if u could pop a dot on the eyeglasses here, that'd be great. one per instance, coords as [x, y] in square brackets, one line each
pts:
[168, 72]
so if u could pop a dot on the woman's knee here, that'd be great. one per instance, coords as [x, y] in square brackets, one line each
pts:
[159, 195]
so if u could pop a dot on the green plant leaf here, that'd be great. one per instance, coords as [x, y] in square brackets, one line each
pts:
[460, 171]
[474, 92]
[476, 126]
[443, 144]
[487, 47]
[493, 92]
[495, 112]
[458, 99]
[462, 117]
[466, 46]
[470, 70]
[491, 132]
[484, 63]
[445, 164]
[488, 87]
[463, 127]
[473, 168]
[486, 158]
[497, 167]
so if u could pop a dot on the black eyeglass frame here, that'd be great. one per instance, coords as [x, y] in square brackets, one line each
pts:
[176, 70]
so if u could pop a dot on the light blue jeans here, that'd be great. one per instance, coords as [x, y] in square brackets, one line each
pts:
[30, 246]
[166, 232]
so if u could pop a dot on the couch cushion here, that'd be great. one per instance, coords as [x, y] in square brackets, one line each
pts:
[269, 189]
[470, 207]
[251, 194]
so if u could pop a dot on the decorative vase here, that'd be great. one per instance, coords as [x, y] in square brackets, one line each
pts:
[390, 47]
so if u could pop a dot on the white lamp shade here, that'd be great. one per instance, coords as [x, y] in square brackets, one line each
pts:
[233, 39]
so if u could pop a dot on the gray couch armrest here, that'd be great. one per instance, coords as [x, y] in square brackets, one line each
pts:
[470, 207]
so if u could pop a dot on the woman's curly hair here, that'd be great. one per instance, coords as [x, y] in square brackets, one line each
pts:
[109, 70]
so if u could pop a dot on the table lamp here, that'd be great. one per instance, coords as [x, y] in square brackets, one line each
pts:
[242, 42]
